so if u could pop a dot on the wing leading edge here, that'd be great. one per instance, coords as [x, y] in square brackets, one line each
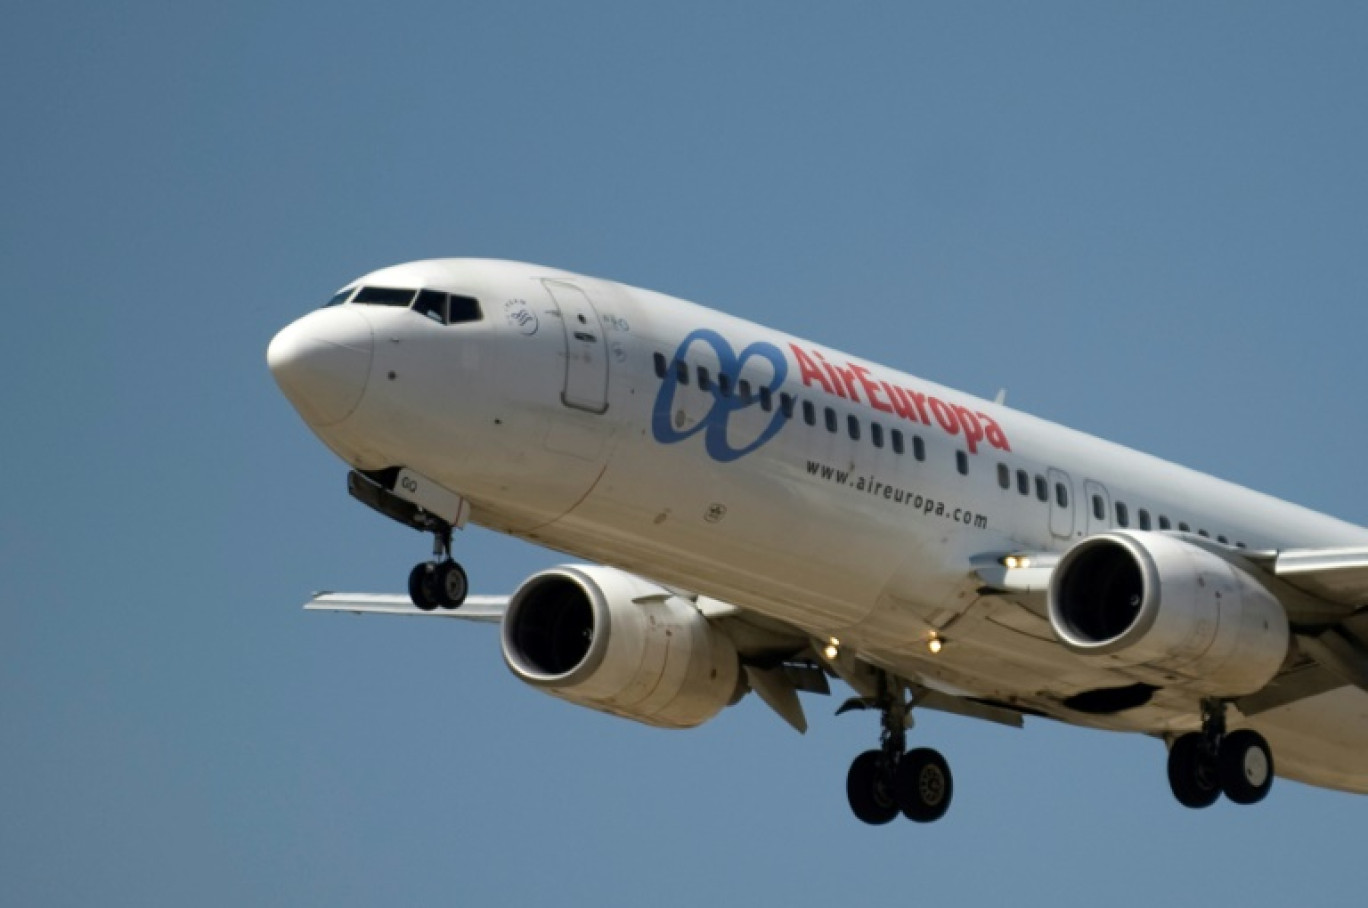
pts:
[488, 609]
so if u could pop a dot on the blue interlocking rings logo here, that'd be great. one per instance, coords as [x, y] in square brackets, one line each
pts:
[715, 423]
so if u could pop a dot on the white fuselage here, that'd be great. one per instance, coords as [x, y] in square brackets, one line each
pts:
[833, 494]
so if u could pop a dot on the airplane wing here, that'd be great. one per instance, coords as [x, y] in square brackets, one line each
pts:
[1330, 621]
[476, 608]
[773, 655]
[1336, 575]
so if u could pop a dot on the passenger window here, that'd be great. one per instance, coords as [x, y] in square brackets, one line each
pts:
[1042, 488]
[1222, 540]
[853, 426]
[724, 384]
[1144, 519]
[704, 379]
[786, 402]
[962, 463]
[660, 365]
[897, 441]
[830, 419]
[1164, 523]
[682, 372]
[1004, 476]
[1204, 533]
[1061, 495]
[876, 434]
[1122, 515]
[743, 391]
[1099, 509]
[766, 399]
[918, 447]
[809, 413]
[1023, 482]
[1184, 528]
[463, 309]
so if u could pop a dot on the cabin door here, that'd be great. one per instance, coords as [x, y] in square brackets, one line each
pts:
[586, 350]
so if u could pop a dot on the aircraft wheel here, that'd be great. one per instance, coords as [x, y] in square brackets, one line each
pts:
[923, 785]
[422, 584]
[1245, 767]
[451, 584]
[869, 786]
[1193, 774]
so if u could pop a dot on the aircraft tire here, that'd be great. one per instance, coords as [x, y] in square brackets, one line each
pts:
[1192, 774]
[923, 786]
[1245, 767]
[450, 585]
[422, 586]
[870, 790]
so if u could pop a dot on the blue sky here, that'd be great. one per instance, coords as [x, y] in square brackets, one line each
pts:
[1147, 221]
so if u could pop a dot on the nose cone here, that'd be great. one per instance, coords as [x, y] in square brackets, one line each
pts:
[322, 363]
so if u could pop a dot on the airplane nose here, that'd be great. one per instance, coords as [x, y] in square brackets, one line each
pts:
[322, 362]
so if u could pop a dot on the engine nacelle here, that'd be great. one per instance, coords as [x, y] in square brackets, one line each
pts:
[605, 639]
[1146, 600]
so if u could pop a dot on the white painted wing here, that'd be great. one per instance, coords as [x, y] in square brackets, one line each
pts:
[475, 608]
[1337, 575]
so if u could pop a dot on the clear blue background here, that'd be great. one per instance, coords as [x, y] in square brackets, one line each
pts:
[1147, 220]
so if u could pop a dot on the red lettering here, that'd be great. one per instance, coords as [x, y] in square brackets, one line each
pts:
[809, 369]
[835, 386]
[945, 416]
[901, 405]
[871, 389]
[849, 378]
[920, 400]
[973, 430]
[994, 433]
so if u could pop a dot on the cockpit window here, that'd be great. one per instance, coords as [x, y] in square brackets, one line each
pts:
[443, 308]
[432, 304]
[384, 296]
[463, 309]
[446, 308]
[339, 297]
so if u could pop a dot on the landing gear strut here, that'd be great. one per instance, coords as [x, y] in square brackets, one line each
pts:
[881, 783]
[1206, 764]
[441, 582]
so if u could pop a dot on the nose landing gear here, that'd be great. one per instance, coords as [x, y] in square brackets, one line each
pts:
[441, 582]
[1204, 765]
[891, 780]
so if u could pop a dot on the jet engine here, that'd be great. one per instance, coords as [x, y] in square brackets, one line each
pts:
[605, 639]
[1146, 601]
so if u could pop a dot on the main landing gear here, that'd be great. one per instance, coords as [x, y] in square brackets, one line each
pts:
[1206, 764]
[891, 780]
[441, 582]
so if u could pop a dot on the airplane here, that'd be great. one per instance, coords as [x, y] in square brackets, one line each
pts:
[757, 512]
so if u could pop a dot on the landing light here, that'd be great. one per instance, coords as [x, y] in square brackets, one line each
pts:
[1012, 562]
[935, 644]
[832, 649]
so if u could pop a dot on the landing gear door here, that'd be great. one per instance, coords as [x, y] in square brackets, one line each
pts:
[586, 350]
